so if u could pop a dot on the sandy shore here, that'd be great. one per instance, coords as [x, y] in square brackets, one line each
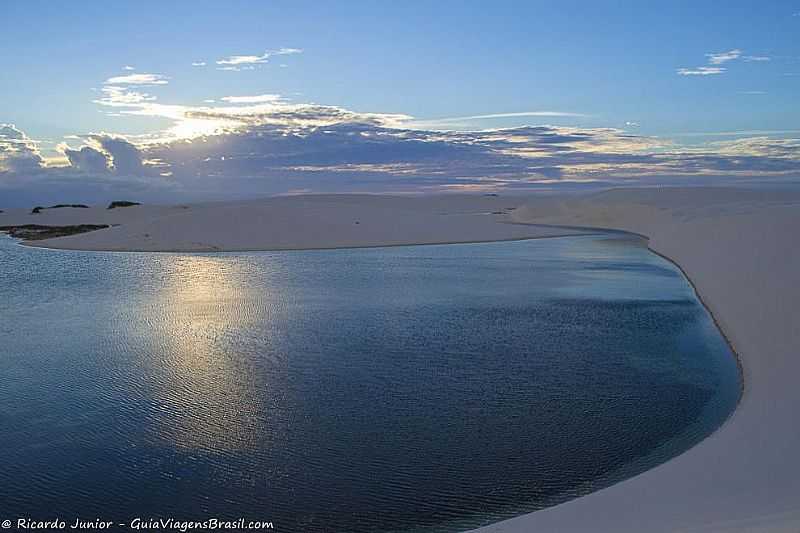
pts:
[737, 247]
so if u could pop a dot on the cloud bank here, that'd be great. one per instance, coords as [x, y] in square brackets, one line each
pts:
[264, 144]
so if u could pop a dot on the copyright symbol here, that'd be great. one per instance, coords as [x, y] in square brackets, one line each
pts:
[6, 524]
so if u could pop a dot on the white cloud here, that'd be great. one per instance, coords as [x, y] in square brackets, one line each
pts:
[198, 63]
[717, 59]
[723, 57]
[236, 62]
[244, 60]
[116, 96]
[237, 69]
[128, 67]
[18, 153]
[138, 79]
[258, 99]
[700, 71]
[512, 115]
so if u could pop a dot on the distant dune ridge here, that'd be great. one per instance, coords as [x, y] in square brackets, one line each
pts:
[736, 246]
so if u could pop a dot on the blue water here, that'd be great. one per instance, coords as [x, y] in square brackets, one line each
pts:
[427, 388]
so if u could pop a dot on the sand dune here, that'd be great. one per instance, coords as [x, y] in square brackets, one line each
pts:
[738, 248]
[311, 221]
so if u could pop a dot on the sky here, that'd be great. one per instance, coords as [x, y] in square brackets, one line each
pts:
[197, 100]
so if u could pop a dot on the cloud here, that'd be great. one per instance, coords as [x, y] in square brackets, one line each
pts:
[125, 94]
[287, 51]
[242, 62]
[720, 58]
[138, 79]
[105, 153]
[282, 113]
[87, 159]
[519, 114]
[265, 144]
[787, 149]
[238, 111]
[700, 71]
[198, 63]
[115, 96]
[18, 153]
[265, 158]
[723, 57]
[258, 99]
[747, 133]
[123, 156]
[128, 67]
[10, 133]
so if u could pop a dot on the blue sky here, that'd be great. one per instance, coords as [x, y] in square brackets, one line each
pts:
[661, 72]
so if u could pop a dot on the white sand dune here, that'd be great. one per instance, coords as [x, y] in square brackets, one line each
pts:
[739, 248]
[292, 222]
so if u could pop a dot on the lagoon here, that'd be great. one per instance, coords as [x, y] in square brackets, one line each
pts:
[420, 388]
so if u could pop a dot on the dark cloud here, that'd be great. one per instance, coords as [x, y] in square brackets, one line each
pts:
[106, 154]
[326, 149]
[88, 159]
[512, 155]
[124, 157]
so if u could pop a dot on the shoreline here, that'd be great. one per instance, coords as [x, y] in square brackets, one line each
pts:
[31, 244]
[743, 476]
[738, 358]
